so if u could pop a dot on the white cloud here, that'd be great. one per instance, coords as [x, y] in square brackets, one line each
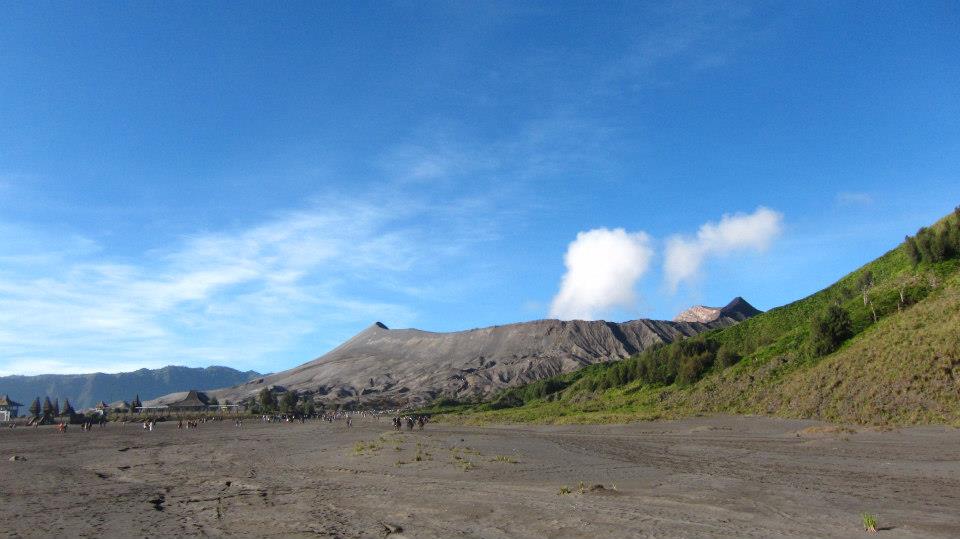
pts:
[685, 256]
[242, 297]
[39, 365]
[603, 267]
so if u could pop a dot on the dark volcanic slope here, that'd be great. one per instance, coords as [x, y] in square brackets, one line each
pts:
[405, 366]
[85, 390]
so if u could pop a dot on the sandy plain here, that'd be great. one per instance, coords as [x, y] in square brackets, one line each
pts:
[703, 477]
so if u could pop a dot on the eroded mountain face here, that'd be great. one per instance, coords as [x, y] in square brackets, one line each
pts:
[390, 367]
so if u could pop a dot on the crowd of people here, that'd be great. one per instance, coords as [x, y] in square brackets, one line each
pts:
[410, 421]
[345, 417]
[84, 426]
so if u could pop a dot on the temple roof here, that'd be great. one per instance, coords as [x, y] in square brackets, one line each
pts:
[193, 399]
[5, 401]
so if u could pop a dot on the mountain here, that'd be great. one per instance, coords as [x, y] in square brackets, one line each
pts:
[738, 309]
[85, 390]
[409, 366]
[879, 346]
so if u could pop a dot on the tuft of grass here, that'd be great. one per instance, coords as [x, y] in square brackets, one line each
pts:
[503, 458]
[869, 523]
[360, 447]
[564, 490]
[581, 488]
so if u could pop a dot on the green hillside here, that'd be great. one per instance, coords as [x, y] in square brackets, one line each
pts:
[880, 346]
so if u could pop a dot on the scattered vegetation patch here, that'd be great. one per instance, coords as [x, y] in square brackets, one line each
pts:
[360, 447]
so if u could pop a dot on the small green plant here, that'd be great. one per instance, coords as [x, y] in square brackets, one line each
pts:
[564, 490]
[581, 488]
[869, 523]
[503, 458]
[399, 463]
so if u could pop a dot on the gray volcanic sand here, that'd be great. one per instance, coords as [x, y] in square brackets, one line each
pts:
[708, 477]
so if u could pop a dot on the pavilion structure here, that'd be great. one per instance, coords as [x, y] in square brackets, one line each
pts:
[193, 402]
[9, 409]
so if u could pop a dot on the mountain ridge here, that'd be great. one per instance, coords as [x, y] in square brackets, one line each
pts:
[85, 390]
[383, 366]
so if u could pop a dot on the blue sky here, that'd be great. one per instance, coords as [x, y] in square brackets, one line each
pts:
[249, 184]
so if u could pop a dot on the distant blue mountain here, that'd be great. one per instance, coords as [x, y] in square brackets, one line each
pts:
[85, 390]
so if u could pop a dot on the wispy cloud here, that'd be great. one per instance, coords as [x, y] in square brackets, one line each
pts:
[848, 198]
[684, 256]
[438, 158]
[234, 297]
[688, 37]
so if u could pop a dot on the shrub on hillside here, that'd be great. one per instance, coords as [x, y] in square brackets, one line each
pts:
[691, 368]
[727, 357]
[935, 244]
[829, 329]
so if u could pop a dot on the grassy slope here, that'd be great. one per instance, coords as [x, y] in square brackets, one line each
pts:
[904, 368]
